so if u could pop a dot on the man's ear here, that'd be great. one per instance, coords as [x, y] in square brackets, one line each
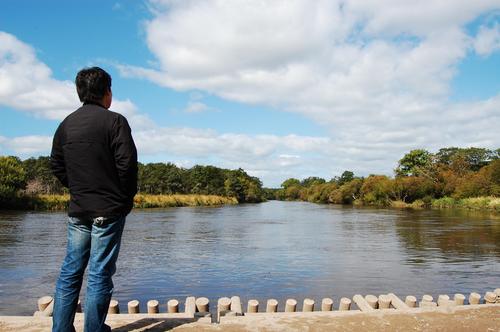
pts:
[108, 99]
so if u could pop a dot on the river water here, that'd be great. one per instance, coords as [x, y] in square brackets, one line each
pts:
[269, 250]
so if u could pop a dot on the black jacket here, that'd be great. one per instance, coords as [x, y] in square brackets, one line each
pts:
[94, 155]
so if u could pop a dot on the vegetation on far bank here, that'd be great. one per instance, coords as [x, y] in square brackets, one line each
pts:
[29, 184]
[451, 178]
[472, 203]
[58, 202]
[160, 201]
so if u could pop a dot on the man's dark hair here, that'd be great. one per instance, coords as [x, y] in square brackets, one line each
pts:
[92, 84]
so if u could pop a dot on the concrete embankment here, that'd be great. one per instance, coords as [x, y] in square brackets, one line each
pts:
[485, 317]
[386, 312]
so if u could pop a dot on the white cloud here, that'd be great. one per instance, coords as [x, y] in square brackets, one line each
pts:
[196, 104]
[288, 160]
[325, 53]
[258, 154]
[27, 84]
[487, 40]
[231, 147]
[27, 145]
[322, 55]
[274, 158]
[267, 156]
[420, 18]
[377, 73]
[137, 120]
[196, 107]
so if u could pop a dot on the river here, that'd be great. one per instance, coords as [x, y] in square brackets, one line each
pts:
[269, 250]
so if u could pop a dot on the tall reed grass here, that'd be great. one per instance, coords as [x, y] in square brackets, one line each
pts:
[60, 202]
[489, 203]
[417, 204]
[48, 202]
[159, 201]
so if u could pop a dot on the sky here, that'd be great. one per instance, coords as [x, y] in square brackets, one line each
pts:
[280, 88]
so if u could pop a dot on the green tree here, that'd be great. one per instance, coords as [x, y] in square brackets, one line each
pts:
[161, 178]
[312, 180]
[319, 193]
[347, 193]
[478, 157]
[290, 182]
[292, 192]
[39, 177]
[376, 190]
[174, 179]
[347, 176]
[243, 186]
[235, 187]
[12, 177]
[485, 182]
[253, 190]
[474, 158]
[411, 188]
[206, 180]
[271, 193]
[414, 163]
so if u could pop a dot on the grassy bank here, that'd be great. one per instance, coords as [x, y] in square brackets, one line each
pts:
[159, 201]
[418, 204]
[487, 203]
[474, 203]
[60, 202]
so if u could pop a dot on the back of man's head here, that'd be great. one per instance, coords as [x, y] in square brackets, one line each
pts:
[92, 84]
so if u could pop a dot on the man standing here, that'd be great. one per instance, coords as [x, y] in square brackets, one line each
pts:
[94, 155]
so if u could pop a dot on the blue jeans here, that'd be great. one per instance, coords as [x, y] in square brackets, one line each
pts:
[94, 240]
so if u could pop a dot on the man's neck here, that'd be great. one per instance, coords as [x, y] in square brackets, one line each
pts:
[94, 103]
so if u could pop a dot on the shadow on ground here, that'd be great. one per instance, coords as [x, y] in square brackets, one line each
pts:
[153, 324]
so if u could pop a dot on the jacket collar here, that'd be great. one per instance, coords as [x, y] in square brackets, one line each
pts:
[94, 103]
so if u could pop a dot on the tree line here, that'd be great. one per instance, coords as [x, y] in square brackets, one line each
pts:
[419, 178]
[33, 176]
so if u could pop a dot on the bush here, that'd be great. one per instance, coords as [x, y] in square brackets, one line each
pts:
[481, 203]
[443, 203]
[418, 204]
[12, 177]
[162, 201]
[376, 190]
[347, 193]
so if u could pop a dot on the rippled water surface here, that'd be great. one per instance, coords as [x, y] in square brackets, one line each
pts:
[273, 249]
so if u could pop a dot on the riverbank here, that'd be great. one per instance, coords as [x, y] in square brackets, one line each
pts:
[474, 203]
[487, 203]
[463, 318]
[141, 201]
[160, 201]
[144, 201]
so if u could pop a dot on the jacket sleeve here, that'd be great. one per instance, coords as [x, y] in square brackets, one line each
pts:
[57, 163]
[125, 155]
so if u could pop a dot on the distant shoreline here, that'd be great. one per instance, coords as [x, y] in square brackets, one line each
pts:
[141, 201]
[145, 201]
[485, 203]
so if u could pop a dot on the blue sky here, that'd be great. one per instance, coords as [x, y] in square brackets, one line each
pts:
[279, 88]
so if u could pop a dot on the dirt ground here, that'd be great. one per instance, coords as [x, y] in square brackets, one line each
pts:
[478, 318]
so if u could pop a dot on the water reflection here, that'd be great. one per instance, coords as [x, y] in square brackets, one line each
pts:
[275, 249]
[454, 236]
